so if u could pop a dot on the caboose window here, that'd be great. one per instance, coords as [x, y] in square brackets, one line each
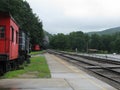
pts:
[2, 31]
[17, 37]
[12, 33]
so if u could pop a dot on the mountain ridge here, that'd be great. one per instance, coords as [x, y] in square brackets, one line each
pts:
[106, 31]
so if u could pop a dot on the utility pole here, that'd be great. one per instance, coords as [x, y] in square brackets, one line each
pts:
[87, 47]
[76, 50]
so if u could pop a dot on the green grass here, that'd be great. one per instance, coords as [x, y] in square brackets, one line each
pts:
[37, 52]
[38, 64]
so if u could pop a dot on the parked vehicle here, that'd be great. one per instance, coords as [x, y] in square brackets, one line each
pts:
[36, 47]
[14, 44]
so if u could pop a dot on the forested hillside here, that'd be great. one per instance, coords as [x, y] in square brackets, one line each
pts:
[107, 31]
[26, 19]
[83, 42]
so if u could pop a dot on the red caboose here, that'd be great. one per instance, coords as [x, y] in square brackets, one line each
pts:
[14, 44]
[8, 37]
[36, 47]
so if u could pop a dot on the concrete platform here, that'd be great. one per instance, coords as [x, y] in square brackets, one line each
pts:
[76, 78]
[34, 84]
[64, 77]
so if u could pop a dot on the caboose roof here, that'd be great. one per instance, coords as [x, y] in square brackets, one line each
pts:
[7, 14]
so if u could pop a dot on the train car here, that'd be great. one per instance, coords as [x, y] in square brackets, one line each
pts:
[8, 37]
[36, 47]
[24, 47]
[11, 54]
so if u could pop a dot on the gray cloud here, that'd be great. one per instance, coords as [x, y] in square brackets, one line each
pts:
[84, 15]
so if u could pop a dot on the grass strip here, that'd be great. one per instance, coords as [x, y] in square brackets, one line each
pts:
[37, 52]
[38, 64]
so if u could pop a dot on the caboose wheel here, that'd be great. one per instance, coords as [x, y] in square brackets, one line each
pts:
[1, 70]
[6, 66]
[13, 65]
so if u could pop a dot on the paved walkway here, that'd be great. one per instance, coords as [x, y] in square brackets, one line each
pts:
[76, 78]
[64, 77]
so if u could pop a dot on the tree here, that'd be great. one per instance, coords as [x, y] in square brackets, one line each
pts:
[106, 42]
[95, 42]
[59, 41]
[87, 39]
[77, 40]
[26, 19]
[4, 5]
[117, 45]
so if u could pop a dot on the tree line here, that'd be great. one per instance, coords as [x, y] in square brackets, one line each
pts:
[83, 42]
[26, 19]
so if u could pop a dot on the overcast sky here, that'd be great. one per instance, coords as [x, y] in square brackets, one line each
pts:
[64, 16]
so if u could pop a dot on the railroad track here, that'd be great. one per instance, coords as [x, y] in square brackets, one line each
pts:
[109, 70]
